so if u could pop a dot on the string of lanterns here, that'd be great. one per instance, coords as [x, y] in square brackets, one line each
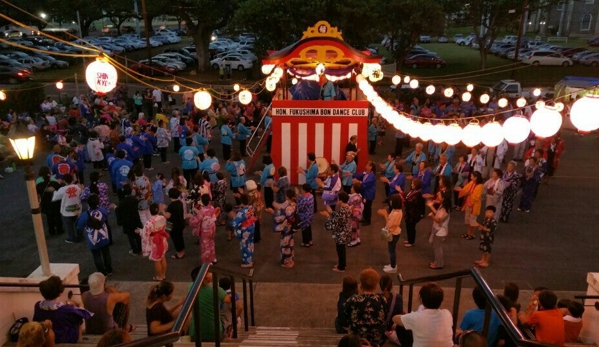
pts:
[544, 122]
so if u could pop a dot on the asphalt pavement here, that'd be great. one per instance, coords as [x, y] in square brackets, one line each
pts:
[554, 245]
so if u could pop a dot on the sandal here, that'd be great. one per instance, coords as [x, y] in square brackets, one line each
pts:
[177, 256]
[155, 278]
[132, 327]
[469, 237]
[465, 236]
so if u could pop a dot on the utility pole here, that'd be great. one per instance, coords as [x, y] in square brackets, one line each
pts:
[147, 27]
[136, 11]
[519, 41]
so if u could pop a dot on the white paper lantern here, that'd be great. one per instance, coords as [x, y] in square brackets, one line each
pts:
[270, 86]
[245, 97]
[559, 107]
[396, 80]
[414, 84]
[2, 96]
[470, 87]
[360, 79]
[453, 134]
[426, 131]
[516, 129]
[521, 102]
[59, 85]
[448, 92]
[202, 100]
[471, 135]
[430, 90]
[279, 72]
[502, 102]
[267, 68]
[466, 96]
[584, 114]
[414, 129]
[236, 87]
[406, 79]
[438, 134]
[545, 122]
[101, 76]
[294, 81]
[492, 134]
[536, 92]
[540, 104]
[484, 99]
[176, 88]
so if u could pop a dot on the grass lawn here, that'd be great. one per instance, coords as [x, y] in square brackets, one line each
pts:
[463, 67]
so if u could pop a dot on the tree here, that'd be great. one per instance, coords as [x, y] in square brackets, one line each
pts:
[118, 12]
[36, 8]
[403, 21]
[202, 17]
[490, 17]
[65, 11]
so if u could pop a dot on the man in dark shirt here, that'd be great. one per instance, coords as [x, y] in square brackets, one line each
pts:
[352, 146]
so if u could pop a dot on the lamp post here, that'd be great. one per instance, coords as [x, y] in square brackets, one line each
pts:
[24, 149]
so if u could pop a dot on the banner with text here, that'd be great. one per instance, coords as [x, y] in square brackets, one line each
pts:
[303, 108]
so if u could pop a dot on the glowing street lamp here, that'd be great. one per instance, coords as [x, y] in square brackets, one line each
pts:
[24, 148]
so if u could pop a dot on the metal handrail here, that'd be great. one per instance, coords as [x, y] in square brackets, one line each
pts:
[36, 285]
[251, 150]
[492, 303]
[189, 307]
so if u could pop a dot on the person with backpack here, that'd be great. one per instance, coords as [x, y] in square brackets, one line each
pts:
[93, 223]
[204, 226]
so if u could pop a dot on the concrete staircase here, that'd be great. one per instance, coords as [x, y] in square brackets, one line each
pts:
[255, 337]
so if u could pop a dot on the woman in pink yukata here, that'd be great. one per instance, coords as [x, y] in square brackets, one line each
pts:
[204, 226]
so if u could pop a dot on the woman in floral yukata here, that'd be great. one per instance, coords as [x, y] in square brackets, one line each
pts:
[243, 224]
[204, 224]
[283, 219]
[357, 207]
[219, 196]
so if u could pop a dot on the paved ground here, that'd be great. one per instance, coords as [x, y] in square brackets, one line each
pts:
[552, 245]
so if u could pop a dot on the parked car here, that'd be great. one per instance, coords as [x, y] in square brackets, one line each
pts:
[165, 31]
[466, 41]
[13, 75]
[578, 56]
[513, 89]
[521, 53]
[570, 51]
[35, 63]
[236, 63]
[456, 37]
[183, 58]
[183, 51]
[536, 44]
[54, 63]
[425, 39]
[442, 39]
[156, 68]
[594, 42]
[538, 58]
[424, 60]
[177, 64]
[513, 39]
[592, 60]
[11, 63]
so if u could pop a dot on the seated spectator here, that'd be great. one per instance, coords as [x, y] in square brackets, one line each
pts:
[159, 318]
[430, 326]
[547, 321]
[205, 304]
[475, 319]
[66, 317]
[367, 310]
[114, 337]
[350, 287]
[226, 313]
[394, 305]
[110, 307]
[36, 334]
[512, 292]
[503, 338]
[572, 311]
[473, 338]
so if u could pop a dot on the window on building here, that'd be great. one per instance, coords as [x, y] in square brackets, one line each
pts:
[560, 6]
[585, 22]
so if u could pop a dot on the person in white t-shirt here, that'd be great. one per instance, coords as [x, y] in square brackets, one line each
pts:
[157, 94]
[430, 326]
[70, 207]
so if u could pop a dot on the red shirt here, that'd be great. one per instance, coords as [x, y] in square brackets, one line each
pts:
[549, 326]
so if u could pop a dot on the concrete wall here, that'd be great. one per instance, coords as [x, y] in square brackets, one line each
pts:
[17, 302]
